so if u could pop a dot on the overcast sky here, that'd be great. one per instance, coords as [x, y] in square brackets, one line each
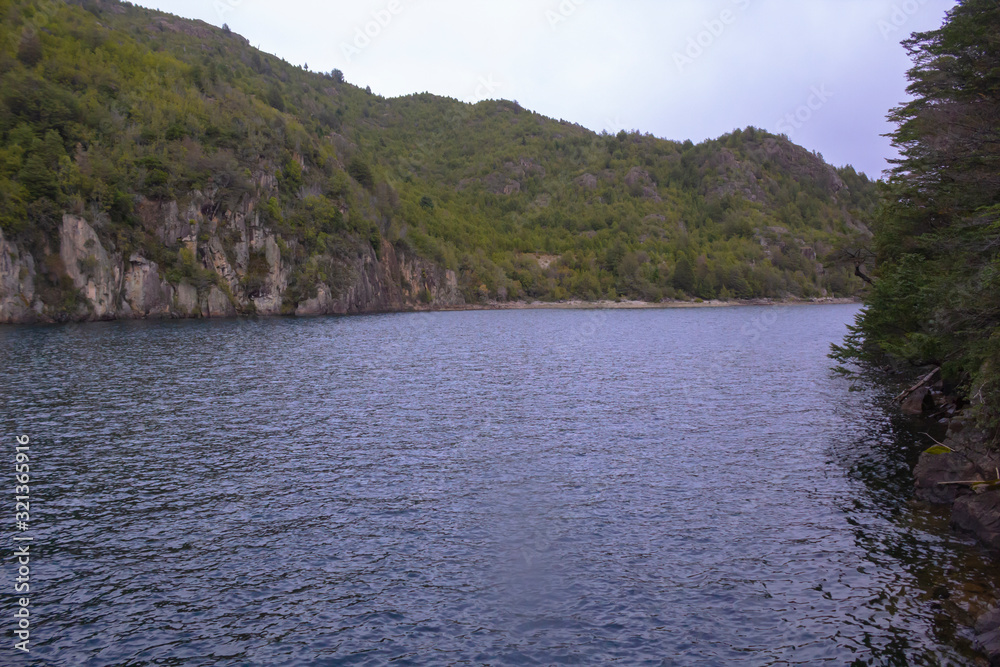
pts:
[825, 72]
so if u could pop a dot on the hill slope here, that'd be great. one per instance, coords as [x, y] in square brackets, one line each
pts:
[155, 166]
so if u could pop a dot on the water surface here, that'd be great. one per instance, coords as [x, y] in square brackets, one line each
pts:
[522, 487]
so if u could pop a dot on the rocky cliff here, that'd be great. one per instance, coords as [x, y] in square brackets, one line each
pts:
[219, 266]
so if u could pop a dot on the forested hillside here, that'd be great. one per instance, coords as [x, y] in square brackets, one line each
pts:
[155, 166]
[936, 297]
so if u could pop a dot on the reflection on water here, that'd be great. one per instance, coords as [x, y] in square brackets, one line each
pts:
[954, 576]
[661, 487]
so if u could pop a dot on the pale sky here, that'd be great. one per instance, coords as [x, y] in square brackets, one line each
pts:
[824, 72]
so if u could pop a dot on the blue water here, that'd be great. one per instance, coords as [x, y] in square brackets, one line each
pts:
[504, 488]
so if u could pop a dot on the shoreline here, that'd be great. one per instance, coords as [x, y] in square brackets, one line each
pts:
[577, 304]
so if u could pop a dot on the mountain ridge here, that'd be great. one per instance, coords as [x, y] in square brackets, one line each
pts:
[218, 180]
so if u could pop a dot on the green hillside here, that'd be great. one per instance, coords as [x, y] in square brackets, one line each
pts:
[213, 167]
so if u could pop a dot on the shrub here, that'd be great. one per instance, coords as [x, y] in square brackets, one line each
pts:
[362, 173]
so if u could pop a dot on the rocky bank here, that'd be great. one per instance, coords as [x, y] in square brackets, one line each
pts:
[962, 472]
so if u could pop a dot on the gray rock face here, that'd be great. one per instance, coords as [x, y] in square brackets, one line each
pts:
[94, 272]
[186, 300]
[637, 176]
[166, 222]
[198, 239]
[269, 303]
[17, 284]
[216, 260]
[322, 304]
[217, 304]
[146, 292]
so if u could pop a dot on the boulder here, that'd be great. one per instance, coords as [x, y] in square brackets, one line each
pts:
[637, 176]
[979, 514]
[933, 469]
[918, 402]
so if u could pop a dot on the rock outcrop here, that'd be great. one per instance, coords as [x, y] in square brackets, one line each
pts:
[394, 283]
[95, 273]
[217, 266]
[17, 285]
[146, 293]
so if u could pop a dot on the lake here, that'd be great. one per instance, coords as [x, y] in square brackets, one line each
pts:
[508, 488]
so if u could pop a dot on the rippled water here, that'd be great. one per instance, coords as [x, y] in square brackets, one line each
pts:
[531, 487]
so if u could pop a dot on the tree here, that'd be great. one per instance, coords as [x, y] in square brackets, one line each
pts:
[855, 253]
[361, 172]
[684, 276]
[275, 98]
[936, 293]
[29, 51]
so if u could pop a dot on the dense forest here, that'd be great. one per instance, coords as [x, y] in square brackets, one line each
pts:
[174, 140]
[936, 295]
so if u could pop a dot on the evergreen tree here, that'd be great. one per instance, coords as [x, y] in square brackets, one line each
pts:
[684, 276]
[936, 294]
[29, 51]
